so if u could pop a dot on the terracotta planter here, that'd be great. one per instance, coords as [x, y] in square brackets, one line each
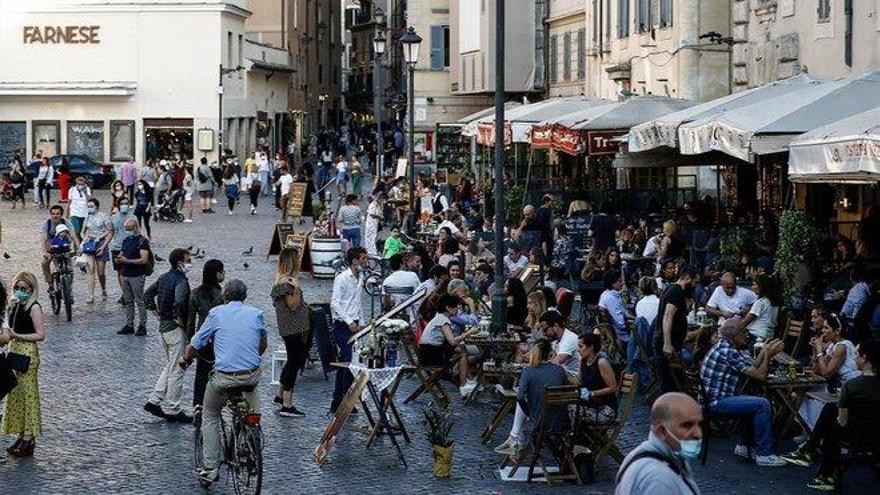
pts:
[442, 460]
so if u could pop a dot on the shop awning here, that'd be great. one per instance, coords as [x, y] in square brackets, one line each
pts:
[486, 112]
[847, 150]
[665, 158]
[663, 131]
[520, 120]
[768, 126]
[594, 129]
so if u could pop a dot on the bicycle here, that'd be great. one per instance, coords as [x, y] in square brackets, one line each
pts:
[62, 279]
[241, 443]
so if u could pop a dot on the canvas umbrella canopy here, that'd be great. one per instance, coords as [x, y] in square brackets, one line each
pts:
[663, 131]
[768, 126]
[470, 121]
[847, 150]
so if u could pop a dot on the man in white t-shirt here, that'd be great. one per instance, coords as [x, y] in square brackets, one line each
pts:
[564, 343]
[399, 285]
[265, 172]
[285, 180]
[649, 304]
[728, 300]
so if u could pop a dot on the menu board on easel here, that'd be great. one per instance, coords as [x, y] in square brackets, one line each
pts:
[342, 413]
[279, 238]
[297, 199]
[300, 242]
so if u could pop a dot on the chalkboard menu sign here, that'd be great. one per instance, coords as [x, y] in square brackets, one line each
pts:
[578, 227]
[13, 138]
[86, 138]
[297, 199]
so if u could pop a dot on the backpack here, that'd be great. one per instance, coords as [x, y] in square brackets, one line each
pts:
[202, 177]
[150, 267]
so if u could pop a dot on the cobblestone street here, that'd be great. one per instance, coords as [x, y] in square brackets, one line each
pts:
[97, 439]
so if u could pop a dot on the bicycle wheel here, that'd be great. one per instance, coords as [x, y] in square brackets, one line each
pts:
[55, 297]
[247, 472]
[67, 294]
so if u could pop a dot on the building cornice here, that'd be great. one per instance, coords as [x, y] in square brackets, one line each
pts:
[68, 88]
[232, 7]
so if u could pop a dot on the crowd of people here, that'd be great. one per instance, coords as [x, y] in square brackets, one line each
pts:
[652, 301]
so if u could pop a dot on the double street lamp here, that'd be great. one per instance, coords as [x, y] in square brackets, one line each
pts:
[409, 42]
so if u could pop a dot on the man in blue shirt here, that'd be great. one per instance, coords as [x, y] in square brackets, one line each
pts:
[239, 334]
[612, 302]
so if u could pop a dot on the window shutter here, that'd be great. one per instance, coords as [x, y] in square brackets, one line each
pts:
[436, 47]
[665, 13]
[622, 18]
[566, 57]
[581, 53]
[553, 58]
[643, 20]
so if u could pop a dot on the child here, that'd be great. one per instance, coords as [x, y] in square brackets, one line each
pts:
[393, 244]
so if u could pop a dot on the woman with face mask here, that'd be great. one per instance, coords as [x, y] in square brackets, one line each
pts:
[78, 208]
[118, 220]
[143, 205]
[97, 233]
[24, 328]
[117, 192]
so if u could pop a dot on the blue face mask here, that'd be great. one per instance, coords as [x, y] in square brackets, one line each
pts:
[690, 449]
[124, 208]
[21, 295]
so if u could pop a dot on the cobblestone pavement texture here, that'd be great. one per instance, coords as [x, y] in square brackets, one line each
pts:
[97, 439]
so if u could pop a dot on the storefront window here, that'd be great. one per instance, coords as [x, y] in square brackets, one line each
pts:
[121, 140]
[13, 139]
[86, 138]
[169, 142]
[46, 138]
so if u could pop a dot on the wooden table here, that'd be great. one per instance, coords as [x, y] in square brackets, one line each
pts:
[786, 395]
[381, 424]
[508, 395]
[506, 349]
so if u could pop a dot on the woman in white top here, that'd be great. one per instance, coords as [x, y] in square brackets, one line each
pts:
[45, 176]
[77, 206]
[834, 359]
[341, 176]
[97, 233]
[374, 216]
[438, 345]
[762, 317]
[189, 188]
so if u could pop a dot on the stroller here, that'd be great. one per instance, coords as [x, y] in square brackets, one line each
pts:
[169, 210]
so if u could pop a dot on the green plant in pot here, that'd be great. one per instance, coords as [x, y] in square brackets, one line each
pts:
[438, 426]
[798, 246]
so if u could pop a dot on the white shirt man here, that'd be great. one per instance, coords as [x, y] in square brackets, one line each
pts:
[345, 302]
[647, 308]
[448, 223]
[728, 300]
[399, 286]
[285, 182]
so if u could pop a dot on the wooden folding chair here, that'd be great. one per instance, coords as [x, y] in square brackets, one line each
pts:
[794, 330]
[429, 376]
[602, 437]
[560, 443]
[507, 406]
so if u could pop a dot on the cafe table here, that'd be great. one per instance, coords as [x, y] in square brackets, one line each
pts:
[508, 403]
[786, 395]
[500, 347]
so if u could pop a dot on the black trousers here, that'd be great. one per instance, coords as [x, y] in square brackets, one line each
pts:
[826, 437]
[297, 353]
[203, 374]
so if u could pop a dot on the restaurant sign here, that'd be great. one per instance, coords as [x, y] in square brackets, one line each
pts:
[73, 35]
[600, 142]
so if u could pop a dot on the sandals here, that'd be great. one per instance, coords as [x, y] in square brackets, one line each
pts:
[22, 448]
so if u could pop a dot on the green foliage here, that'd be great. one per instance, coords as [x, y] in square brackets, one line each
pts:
[798, 243]
[513, 202]
[438, 425]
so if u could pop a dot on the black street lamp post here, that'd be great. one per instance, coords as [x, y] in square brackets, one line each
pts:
[499, 301]
[410, 42]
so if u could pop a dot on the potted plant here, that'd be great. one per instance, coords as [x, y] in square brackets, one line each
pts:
[438, 426]
[798, 246]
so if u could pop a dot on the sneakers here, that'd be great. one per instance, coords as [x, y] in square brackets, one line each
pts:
[823, 483]
[207, 476]
[509, 447]
[155, 410]
[292, 412]
[799, 457]
[180, 417]
[743, 451]
[769, 461]
[141, 331]
[278, 400]
[253, 211]
[126, 330]
[230, 213]
[187, 220]
[466, 389]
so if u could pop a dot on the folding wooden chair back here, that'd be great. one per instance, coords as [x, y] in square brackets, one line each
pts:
[794, 330]
[560, 443]
[429, 376]
[602, 437]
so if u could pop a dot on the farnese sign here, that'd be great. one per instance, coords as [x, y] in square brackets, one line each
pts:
[61, 34]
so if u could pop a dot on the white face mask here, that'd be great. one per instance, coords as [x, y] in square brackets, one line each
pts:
[186, 267]
[689, 449]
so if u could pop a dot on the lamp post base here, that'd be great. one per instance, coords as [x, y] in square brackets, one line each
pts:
[499, 311]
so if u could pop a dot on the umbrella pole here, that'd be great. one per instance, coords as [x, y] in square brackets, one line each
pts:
[717, 194]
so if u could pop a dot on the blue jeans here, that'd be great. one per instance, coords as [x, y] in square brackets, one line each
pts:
[353, 236]
[760, 411]
[344, 378]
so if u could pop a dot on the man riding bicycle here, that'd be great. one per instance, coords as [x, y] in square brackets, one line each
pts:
[239, 334]
[49, 233]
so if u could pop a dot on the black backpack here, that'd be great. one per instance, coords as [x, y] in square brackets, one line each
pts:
[150, 267]
[202, 177]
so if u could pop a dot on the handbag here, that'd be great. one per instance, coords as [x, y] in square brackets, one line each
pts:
[18, 362]
[90, 246]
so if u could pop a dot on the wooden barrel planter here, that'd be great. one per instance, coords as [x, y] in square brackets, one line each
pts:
[324, 251]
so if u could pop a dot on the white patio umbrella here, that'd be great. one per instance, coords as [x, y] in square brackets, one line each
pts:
[847, 150]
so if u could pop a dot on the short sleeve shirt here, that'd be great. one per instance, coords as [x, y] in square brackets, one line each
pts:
[131, 249]
[740, 299]
[765, 318]
[861, 391]
[285, 181]
[568, 344]
[433, 334]
[97, 224]
[674, 295]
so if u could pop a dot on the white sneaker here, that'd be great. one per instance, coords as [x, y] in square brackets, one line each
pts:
[187, 220]
[743, 451]
[230, 212]
[466, 389]
[510, 447]
[213, 201]
[769, 461]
